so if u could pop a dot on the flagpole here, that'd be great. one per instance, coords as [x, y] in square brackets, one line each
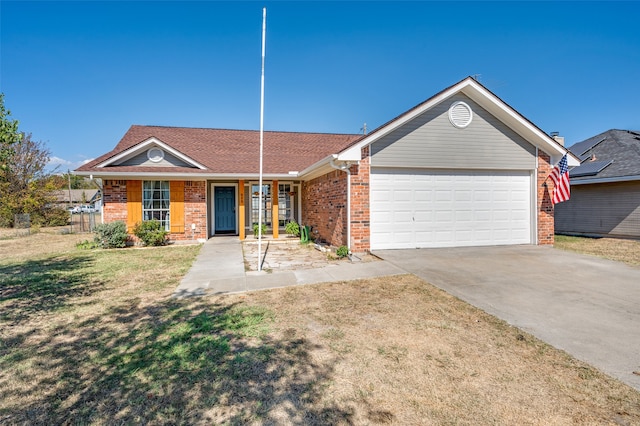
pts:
[264, 33]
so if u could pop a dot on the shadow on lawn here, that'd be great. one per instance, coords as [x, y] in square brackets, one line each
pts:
[30, 287]
[174, 362]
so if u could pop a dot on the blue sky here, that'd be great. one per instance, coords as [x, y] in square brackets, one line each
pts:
[78, 74]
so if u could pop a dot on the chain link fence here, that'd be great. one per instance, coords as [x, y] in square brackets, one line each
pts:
[84, 222]
[22, 224]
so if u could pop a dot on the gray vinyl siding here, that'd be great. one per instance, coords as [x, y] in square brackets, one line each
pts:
[601, 209]
[142, 160]
[431, 141]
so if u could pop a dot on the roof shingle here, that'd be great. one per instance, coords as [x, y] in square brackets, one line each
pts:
[230, 151]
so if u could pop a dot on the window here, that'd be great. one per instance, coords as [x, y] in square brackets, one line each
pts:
[266, 203]
[285, 197]
[155, 201]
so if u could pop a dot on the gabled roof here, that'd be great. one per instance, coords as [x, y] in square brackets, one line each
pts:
[487, 100]
[611, 156]
[218, 152]
[77, 195]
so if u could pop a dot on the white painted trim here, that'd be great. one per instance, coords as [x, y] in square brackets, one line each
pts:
[212, 219]
[536, 214]
[534, 205]
[606, 180]
[486, 100]
[298, 190]
[149, 143]
[181, 176]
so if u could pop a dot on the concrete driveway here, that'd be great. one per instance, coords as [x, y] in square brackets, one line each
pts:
[587, 306]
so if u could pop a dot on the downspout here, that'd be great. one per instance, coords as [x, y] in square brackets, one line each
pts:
[536, 213]
[346, 167]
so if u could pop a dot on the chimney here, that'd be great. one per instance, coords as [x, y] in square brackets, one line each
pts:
[556, 137]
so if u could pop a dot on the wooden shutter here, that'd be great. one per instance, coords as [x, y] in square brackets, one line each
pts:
[134, 203]
[176, 206]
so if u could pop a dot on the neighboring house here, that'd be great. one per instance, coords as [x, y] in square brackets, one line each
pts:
[462, 168]
[78, 196]
[605, 188]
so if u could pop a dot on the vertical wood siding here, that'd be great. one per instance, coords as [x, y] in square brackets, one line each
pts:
[176, 206]
[134, 203]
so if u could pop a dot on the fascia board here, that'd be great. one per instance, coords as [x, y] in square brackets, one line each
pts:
[139, 148]
[488, 101]
[318, 164]
[183, 176]
[353, 152]
[515, 121]
[613, 179]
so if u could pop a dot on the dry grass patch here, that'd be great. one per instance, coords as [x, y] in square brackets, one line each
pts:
[627, 251]
[92, 337]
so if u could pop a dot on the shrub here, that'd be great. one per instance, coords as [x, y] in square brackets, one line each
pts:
[111, 235]
[292, 228]
[342, 251]
[51, 216]
[255, 229]
[151, 232]
[86, 245]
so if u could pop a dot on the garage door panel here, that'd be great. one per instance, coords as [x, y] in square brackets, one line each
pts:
[449, 209]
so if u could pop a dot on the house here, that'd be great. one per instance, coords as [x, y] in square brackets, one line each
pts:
[605, 187]
[462, 168]
[78, 196]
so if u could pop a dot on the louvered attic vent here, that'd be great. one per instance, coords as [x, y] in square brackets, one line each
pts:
[460, 114]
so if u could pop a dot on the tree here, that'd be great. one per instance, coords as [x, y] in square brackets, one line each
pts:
[9, 136]
[26, 186]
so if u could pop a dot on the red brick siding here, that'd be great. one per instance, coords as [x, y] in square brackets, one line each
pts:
[360, 211]
[195, 207]
[324, 207]
[114, 200]
[195, 210]
[545, 206]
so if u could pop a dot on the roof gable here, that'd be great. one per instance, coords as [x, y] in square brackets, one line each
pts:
[217, 152]
[488, 101]
[148, 148]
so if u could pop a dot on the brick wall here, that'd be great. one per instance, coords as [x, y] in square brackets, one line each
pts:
[195, 207]
[360, 211]
[324, 207]
[114, 200]
[195, 210]
[545, 206]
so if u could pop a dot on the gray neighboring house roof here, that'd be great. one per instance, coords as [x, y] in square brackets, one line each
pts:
[90, 195]
[611, 156]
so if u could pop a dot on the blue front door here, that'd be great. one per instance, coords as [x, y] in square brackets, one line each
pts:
[225, 209]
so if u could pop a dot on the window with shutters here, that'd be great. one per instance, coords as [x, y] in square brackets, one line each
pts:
[155, 202]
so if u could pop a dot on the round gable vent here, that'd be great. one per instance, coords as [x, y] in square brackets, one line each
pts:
[155, 154]
[460, 114]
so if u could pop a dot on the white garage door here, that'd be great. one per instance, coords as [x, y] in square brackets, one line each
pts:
[411, 209]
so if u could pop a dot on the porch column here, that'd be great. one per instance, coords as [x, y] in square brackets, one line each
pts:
[241, 215]
[274, 209]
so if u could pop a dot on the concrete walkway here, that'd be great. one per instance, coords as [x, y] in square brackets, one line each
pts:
[220, 269]
[585, 305]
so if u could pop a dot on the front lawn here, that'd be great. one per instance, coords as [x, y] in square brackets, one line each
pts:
[93, 337]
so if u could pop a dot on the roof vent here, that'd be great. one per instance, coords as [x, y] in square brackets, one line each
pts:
[460, 114]
[155, 154]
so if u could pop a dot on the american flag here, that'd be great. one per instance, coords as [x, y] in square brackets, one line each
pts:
[560, 178]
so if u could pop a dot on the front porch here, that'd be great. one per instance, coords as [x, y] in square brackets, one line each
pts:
[233, 207]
